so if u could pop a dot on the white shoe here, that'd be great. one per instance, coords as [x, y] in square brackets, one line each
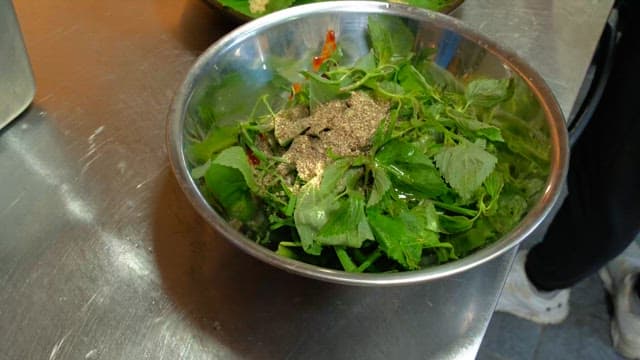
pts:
[520, 298]
[619, 278]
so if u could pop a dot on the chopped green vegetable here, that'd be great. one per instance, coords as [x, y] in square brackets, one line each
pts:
[388, 164]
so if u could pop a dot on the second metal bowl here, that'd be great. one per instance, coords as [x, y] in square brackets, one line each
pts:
[242, 18]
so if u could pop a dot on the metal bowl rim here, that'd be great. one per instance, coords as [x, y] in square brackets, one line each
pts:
[555, 119]
[242, 18]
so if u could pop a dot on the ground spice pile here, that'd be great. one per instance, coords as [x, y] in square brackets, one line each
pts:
[343, 127]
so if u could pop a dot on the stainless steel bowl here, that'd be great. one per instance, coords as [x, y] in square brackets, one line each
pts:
[241, 18]
[296, 31]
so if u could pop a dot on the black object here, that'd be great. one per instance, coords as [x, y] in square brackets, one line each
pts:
[601, 215]
[601, 64]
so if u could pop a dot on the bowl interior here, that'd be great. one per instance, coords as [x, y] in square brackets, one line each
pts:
[277, 46]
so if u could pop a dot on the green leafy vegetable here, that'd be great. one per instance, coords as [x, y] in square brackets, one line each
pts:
[381, 184]
[322, 90]
[389, 163]
[219, 138]
[348, 225]
[440, 77]
[473, 127]
[317, 204]
[488, 93]
[230, 181]
[465, 167]
[410, 170]
[391, 40]
[396, 239]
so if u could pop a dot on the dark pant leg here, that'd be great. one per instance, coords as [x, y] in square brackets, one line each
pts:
[601, 215]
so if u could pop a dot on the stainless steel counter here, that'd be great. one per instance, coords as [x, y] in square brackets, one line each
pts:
[102, 257]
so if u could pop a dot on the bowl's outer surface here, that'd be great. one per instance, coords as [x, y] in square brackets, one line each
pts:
[242, 18]
[297, 33]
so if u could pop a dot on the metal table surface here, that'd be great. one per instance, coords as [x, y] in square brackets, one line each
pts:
[101, 255]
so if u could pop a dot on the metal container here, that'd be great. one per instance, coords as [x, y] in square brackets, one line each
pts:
[17, 87]
[291, 33]
[241, 18]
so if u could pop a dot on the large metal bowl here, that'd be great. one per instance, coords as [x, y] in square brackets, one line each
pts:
[296, 31]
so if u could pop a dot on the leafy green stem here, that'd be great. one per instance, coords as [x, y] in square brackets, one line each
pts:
[456, 209]
[369, 260]
[367, 77]
[345, 259]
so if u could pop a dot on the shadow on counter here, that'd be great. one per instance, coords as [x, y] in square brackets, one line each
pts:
[198, 26]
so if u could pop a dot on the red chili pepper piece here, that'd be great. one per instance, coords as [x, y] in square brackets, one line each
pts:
[295, 88]
[328, 49]
[253, 160]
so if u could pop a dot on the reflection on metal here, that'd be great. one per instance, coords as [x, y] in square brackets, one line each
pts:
[16, 81]
[447, 47]
[75, 206]
[126, 260]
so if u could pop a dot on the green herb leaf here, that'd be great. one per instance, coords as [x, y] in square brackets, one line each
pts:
[524, 104]
[403, 237]
[488, 93]
[429, 218]
[439, 77]
[511, 207]
[410, 170]
[465, 167]
[412, 81]
[481, 234]
[235, 157]
[454, 224]
[347, 225]
[311, 214]
[286, 251]
[390, 88]
[381, 184]
[241, 6]
[474, 127]
[322, 90]
[230, 180]
[219, 138]
[290, 68]
[366, 63]
[391, 40]
[523, 137]
[395, 239]
[200, 171]
[334, 176]
[317, 201]
[493, 184]
[229, 188]
[236, 96]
